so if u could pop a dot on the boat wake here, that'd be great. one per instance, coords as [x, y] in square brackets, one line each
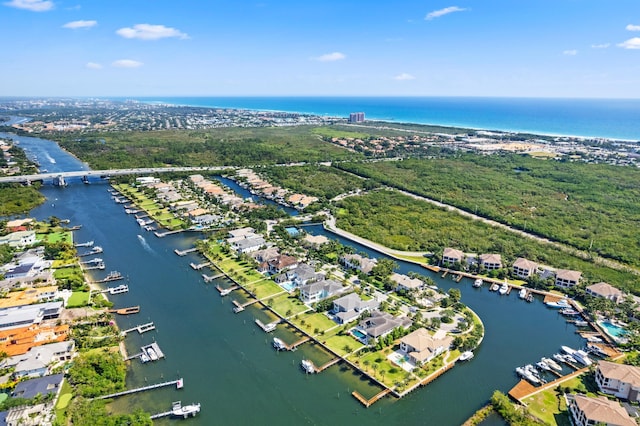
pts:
[50, 158]
[145, 244]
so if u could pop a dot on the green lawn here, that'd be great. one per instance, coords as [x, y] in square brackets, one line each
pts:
[63, 401]
[265, 288]
[284, 303]
[309, 322]
[56, 237]
[385, 371]
[338, 344]
[550, 407]
[78, 299]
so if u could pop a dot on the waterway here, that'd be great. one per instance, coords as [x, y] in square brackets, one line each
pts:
[227, 362]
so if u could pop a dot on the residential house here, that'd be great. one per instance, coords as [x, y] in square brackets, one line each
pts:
[567, 278]
[303, 274]
[241, 232]
[265, 255]
[451, 255]
[606, 291]
[524, 268]
[421, 347]
[282, 263]
[315, 240]
[490, 261]
[350, 307]
[42, 386]
[17, 341]
[406, 283]
[358, 262]
[315, 292]
[587, 411]
[379, 324]
[29, 296]
[19, 239]
[26, 315]
[620, 380]
[35, 363]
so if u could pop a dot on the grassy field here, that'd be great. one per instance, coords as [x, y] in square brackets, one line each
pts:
[285, 303]
[384, 371]
[333, 132]
[78, 299]
[264, 288]
[56, 237]
[312, 321]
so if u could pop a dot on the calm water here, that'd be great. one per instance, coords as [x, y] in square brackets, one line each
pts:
[228, 364]
[607, 118]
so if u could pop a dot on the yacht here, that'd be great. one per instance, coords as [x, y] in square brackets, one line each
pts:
[569, 312]
[581, 323]
[494, 287]
[594, 339]
[504, 288]
[551, 363]
[543, 365]
[279, 344]
[478, 283]
[525, 373]
[597, 350]
[185, 411]
[562, 303]
[582, 357]
[153, 356]
[466, 356]
[308, 366]
[523, 293]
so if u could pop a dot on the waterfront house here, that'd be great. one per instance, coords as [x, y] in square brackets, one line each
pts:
[348, 308]
[620, 380]
[587, 411]
[421, 347]
[19, 239]
[282, 263]
[606, 291]
[314, 240]
[265, 255]
[304, 274]
[315, 292]
[566, 278]
[40, 386]
[41, 278]
[379, 324]
[404, 282]
[358, 262]
[17, 341]
[451, 256]
[29, 296]
[26, 315]
[248, 245]
[491, 261]
[35, 363]
[241, 232]
[19, 224]
[524, 268]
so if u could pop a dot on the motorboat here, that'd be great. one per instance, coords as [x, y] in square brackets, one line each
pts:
[522, 293]
[551, 363]
[569, 312]
[153, 356]
[562, 303]
[526, 374]
[144, 358]
[184, 411]
[504, 288]
[594, 339]
[543, 365]
[478, 283]
[597, 350]
[465, 356]
[567, 350]
[279, 344]
[308, 366]
[494, 287]
[582, 357]
[581, 323]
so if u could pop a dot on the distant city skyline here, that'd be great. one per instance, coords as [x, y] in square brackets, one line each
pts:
[532, 48]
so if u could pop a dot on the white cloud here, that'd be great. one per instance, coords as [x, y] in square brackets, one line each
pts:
[442, 12]
[80, 24]
[330, 57]
[572, 52]
[404, 77]
[93, 66]
[631, 27]
[32, 5]
[632, 43]
[600, 46]
[126, 63]
[150, 32]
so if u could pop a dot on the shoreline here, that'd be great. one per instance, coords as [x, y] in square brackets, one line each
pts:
[391, 121]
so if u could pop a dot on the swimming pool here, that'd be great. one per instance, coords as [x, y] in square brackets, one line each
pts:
[289, 286]
[612, 329]
[359, 335]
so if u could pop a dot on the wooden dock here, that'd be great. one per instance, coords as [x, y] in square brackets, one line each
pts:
[141, 329]
[226, 291]
[368, 402]
[178, 383]
[113, 276]
[125, 311]
[199, 265]
[267, 328]
[209, 278]
[185, 252]
[328, 364]
[294, 345]
[459, 278]
[164, 234]
[445, 274]
[238, 307]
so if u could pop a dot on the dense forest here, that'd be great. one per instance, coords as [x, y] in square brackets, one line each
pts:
[404, 223]
[228, 146]
[588, 206]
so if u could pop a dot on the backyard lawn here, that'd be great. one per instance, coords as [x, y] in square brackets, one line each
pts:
[264, 288]
[311, 321]
[78, 299]
[285, 303]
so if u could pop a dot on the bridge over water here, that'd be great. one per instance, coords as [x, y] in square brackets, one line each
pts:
[108, 173]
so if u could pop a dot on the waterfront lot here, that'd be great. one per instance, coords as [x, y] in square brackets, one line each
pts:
[286, 304]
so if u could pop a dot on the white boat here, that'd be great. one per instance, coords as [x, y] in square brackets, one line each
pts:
[119, 289]
[581, 323]
[494, 287]
[527, 375]
[551, 363]
[523, 293]
[559, 357]
[153, 356]
[478, 283]
[141, 222]
[144, 357]
[543, 365]
[569, 312]
[567, 350]
[582, 357]
[465, 356]
[504, 288]
[179, 410]
[594, 339]
[597, 350]
[562, 303]
[308, 366]
[279, 344]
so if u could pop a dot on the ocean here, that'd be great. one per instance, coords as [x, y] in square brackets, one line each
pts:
[591, 118]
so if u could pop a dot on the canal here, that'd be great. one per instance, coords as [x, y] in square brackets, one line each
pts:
[227, 362]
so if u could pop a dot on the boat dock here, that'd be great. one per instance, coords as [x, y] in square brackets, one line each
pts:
[87, 244]
[148, 353]
[95, 250]
[178, 410]
[209, 278]
[238, 308]
[164, 234]
[113, 276]
[116, 290]
[185, 252]
[267, 328]
[125, 311]
[142, 328]
[178, 383]
[369, 402]
[99, 265]
[226, 291]
[199, 265]
[327, 365]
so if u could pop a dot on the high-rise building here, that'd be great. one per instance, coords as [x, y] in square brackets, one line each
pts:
[356, 117]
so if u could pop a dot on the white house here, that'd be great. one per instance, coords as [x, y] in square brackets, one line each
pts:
[451, 255]
[421, 347]
[566, 278]
[620, 380]
[606, 291]
[315, 292]
[405, 282]
[19, 239]
[491, 261]
[524, 268]
[350, 307]
[587, 411]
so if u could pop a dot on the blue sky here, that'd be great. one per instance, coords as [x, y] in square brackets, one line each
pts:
[513, 48]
